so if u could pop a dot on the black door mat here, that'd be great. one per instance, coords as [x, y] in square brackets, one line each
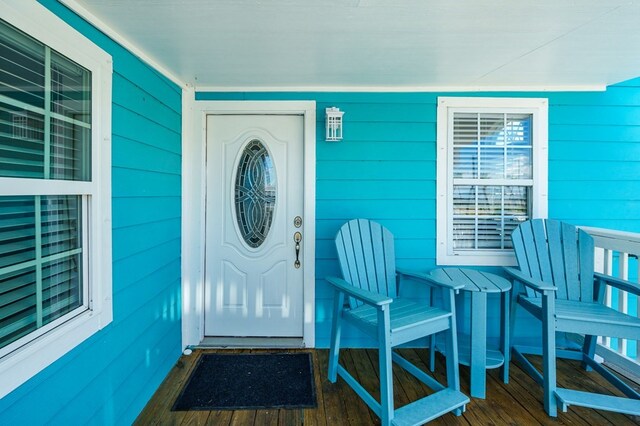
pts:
[249, 381]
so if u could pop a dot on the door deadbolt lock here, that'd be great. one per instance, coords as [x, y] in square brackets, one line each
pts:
[297, 237]
[297, 222]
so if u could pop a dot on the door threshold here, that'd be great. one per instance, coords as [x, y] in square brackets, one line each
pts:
[251, 342]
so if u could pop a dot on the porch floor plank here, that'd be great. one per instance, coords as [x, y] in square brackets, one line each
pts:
[519, 402]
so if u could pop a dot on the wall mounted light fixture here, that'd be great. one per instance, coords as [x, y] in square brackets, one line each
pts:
[334, 124]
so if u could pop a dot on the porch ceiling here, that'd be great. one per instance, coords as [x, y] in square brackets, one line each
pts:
[382, 44]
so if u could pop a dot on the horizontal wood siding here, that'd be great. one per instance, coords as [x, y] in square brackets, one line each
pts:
[385, 169]
[109, 378]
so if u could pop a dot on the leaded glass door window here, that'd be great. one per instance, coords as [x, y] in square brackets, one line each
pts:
[255, 193]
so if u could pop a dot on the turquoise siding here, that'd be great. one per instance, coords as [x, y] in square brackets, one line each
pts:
[109, 378]
[385, 169]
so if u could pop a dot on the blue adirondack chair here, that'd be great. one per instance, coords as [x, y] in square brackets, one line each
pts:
[560, 288]
[367, 260]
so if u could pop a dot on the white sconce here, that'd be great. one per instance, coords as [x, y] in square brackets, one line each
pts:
[334, 124]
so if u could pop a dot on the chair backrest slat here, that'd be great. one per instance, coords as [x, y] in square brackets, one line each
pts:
[571, 260]
[587, 255]
[366, 256]
[558, 257]
[557, 253]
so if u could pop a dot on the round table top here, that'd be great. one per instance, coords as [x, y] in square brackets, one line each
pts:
[473, 280]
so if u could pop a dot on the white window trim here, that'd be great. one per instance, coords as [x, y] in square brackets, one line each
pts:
[536, 106]
[25, 362]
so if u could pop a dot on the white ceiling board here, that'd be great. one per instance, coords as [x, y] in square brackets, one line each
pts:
[298, 44]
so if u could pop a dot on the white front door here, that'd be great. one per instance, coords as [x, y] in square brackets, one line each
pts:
[254, 212]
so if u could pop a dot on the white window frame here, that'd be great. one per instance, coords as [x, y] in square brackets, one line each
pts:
[538, 107]
[22, 363]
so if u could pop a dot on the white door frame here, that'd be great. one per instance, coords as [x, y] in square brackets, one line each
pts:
[193, 205]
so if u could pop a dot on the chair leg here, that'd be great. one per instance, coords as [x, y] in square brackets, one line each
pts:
[432, 340]
[589, 349]
[385, 366]
[336, 331]
[549, 356]
[453, 375]
[432, 352]
[505, 335]
[512, 313]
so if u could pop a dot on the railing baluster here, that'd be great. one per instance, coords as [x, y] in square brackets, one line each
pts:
[623, 303]
[607, 269]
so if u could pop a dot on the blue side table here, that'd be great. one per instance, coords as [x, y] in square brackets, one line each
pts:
[475, 353]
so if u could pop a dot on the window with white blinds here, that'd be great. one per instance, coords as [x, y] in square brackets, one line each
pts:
[491, 175]
[45, 135]
[54, 190]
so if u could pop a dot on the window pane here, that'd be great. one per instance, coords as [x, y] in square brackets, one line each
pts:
[70, 151]
[61, 220]
[519, 163]
[485, 216]
[465, 145]
[21, 66]
[61, 289]
[18, 315]
[17, 230]
[491, 130]
[518, 130]
[492, 163]
[70, 89]
[21, 143]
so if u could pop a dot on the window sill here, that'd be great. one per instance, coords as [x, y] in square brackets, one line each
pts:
[25, 362]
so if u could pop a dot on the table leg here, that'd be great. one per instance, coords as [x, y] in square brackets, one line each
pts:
[505, 344]
[478, 344]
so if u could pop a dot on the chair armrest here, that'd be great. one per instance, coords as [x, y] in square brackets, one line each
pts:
[618, 283]
[366, 296]
[429, 279]
[533, 283]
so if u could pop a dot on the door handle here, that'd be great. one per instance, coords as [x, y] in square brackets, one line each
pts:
[297, 237]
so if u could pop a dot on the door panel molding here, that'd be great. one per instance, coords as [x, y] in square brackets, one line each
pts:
[193, 205]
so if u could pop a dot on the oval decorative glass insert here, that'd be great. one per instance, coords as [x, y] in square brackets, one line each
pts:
[255, 193]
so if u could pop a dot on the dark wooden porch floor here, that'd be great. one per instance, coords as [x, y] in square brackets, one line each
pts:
[517, 403]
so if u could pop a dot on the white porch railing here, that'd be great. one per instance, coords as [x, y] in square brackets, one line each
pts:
[617, 254]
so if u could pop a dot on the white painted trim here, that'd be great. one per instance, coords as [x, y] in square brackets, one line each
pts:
[193, 205]
[85, 14]
[539, 108]
[20, 186]
[21, 364]
[406, 89]
[192, 210]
